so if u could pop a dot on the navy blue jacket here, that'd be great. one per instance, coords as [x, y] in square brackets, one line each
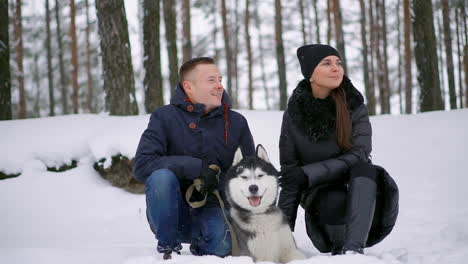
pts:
[180, 136]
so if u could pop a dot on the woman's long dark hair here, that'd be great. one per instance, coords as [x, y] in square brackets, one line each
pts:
[343, 120]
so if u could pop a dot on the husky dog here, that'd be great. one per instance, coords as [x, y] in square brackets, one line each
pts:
[260, 228]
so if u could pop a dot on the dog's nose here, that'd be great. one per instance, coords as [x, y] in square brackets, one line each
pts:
[253, 189]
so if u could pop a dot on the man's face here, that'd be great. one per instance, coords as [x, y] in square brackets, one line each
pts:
[204, 86]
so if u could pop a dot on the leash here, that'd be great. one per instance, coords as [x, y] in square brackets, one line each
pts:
[197, 185]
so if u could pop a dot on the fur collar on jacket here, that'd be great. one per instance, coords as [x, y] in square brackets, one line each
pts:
[316, 117]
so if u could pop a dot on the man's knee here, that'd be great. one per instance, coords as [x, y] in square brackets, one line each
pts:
[363, 169]
[161, 177]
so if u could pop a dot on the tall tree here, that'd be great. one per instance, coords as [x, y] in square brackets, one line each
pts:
[90, 95]
[329, 23]
[370, 97]
[74, 57]
[18, 38]
[235, 55]
[50, 73]
[459, 56]
[187, 43]
[372, 53]
[400, 95]
[119, 83]
[171, 40]
[317, 25]
[63, 76]
[386, 107]
[303, 23]
[465, 48]
[261, 55]
[5, 77]
[425, 52]
[448, 53]
[152, 83]
[249, 52]
[408, 56]
[227, 47]
[283, 87]
[339, 35]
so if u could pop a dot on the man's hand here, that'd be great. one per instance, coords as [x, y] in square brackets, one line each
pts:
[209, 175]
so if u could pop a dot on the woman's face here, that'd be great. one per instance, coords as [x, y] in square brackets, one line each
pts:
[328, 74]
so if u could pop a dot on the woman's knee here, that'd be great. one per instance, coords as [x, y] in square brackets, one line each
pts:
[363, 169]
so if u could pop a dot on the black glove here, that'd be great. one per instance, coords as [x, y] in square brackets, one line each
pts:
[209, 177]
[294, 177]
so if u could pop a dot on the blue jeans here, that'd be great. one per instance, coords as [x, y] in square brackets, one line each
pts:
[174, 222]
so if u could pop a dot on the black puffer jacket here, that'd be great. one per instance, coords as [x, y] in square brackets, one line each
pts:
[308, 140]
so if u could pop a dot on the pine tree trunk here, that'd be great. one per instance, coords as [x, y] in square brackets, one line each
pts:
[153, 84]
[408, 56]
[63, 76]
[18, 38]
[329, 23]
[460, 58]
[387, 89]
[283, 88]
[187, 44]
[5, 77]
[339, 35]
[448, 53]
[303, 24]
[379, 58]
[227, 48]
[249, 53]
[171, 40]
[37, 83]
[372, 51]
[440, 50]
[400, 95]
[215, 31]
[119, 83]
[465, 49]
[90, 95]
[317, 27]
[370, 97]
[425, 52]
[262, 61]
[74, 57]
[50, 73]
[235, 55]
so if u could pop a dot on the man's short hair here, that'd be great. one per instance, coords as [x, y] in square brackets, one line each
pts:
[189, 65]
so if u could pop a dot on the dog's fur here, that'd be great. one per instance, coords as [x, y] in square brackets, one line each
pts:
[260, 227]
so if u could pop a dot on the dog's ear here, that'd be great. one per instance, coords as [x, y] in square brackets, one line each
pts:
[237, 157]
[262, 154]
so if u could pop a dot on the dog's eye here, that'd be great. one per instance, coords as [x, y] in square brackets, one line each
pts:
[244, 177]
[261, 175]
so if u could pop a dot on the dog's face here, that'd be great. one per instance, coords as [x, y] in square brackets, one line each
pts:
[252, 182]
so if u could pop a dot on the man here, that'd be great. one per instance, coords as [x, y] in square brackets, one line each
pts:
[197, 129]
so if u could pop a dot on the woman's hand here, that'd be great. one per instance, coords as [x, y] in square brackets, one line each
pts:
[293, 177]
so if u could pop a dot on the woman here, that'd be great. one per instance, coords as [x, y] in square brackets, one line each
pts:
[325, 145]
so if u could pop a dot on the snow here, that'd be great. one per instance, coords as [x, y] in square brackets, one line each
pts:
[77, 217]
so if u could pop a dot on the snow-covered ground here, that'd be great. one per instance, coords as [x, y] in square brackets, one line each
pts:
[77, 217]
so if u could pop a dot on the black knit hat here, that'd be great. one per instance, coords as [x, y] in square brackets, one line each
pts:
[310, 56]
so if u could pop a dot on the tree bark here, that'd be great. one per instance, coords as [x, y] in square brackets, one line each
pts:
[187, 44]
[370, 97]
[90, 95]
[249, 53]
[227, 48]
[119, 83]
[171, 40]
[339, 35]
[63, 76]
[400, 95]
[235, 102]
[303, 24]
[317, 26]
[262, 61]
[153, 84]
[280, 55]
[5, 77]
[50, 73]
[408, 56]
[425, 52]
[372, 52]
[18, 37]
[74, 57]
[448, 53]
[386, 108]
[329, 23]
[460, 59]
